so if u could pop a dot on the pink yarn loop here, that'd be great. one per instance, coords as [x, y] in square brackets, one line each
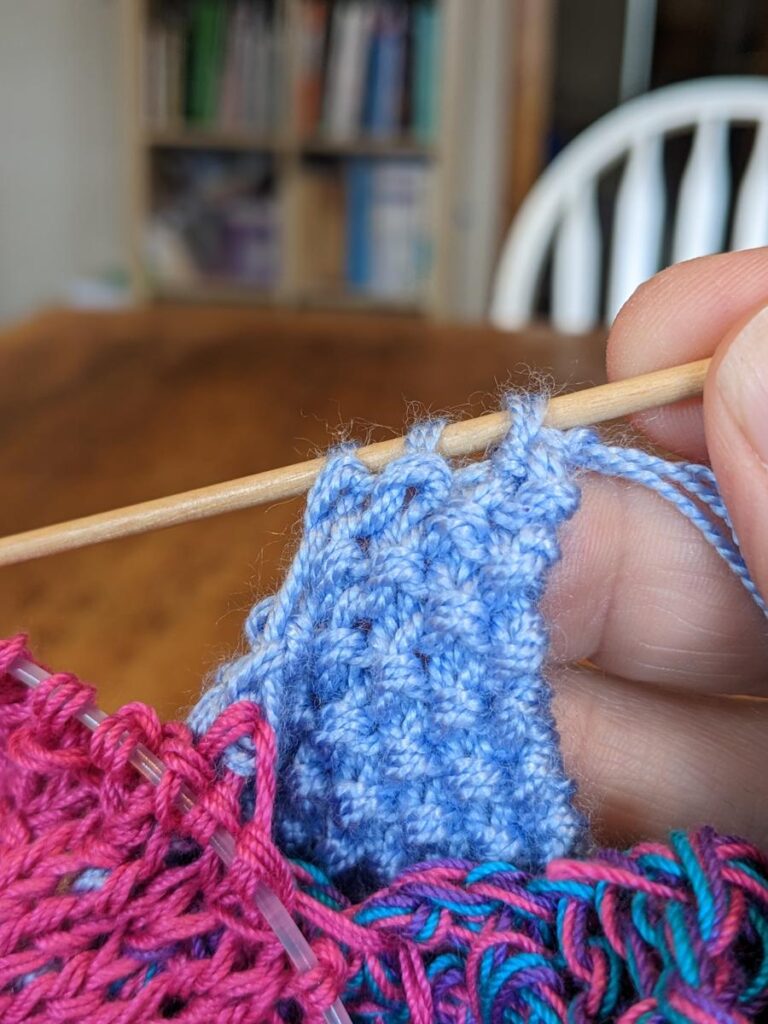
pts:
[114, 909]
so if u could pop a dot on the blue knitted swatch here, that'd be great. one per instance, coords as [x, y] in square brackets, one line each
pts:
[401, 661]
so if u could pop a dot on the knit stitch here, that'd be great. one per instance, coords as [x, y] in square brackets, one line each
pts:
[401, 663]
[115, 910]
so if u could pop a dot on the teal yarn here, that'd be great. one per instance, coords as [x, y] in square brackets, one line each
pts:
[401, 662]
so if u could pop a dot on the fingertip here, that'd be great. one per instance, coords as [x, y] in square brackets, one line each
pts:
[680, 315]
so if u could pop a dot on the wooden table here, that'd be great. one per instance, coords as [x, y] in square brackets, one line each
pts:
[100, 410]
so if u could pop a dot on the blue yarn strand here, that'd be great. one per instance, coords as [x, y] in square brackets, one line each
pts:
[402, 661]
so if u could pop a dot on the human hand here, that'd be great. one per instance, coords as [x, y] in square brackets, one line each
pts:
[671, 728]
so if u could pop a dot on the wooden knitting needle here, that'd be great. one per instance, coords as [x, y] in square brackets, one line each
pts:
[580, 408]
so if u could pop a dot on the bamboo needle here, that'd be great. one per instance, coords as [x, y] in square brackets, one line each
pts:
[580, 408]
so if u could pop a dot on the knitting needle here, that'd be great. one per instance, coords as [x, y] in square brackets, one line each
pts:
[580, 408]
[272, 909]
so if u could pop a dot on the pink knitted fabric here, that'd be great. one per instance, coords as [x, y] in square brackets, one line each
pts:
[115, 910]
[71, 805]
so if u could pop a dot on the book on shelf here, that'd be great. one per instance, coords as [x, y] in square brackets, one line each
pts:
[426, 42]
[388, 234]
[364, 67]
[213, 64]
[164, 73]
[400, 243]
[351, 30]
[384, 113]
[359, 178]
[235, 63]
[205, 51]
[216, 217]
[369, 68]
[364, 228]
[312, 39]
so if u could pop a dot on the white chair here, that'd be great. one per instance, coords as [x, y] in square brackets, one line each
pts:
[560, 213]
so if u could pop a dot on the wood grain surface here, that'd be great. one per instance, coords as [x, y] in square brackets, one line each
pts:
[102, 410]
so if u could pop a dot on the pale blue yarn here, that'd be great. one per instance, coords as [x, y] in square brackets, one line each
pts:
[401, 661]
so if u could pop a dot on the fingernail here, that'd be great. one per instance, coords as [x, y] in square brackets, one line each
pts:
[742, 380]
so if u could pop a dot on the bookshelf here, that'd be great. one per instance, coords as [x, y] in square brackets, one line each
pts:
[300, 152]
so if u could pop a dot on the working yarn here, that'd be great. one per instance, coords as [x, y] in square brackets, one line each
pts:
[400, 663]
[114, 909]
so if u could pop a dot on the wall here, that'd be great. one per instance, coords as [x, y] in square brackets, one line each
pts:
[476, 94]
[61, 169]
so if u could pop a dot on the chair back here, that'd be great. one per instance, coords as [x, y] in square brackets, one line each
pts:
[560, 216]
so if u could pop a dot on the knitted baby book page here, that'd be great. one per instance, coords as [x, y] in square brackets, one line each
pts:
[391, 709]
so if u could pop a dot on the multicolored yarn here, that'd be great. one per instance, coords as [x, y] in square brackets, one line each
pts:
[114, 910]
[400, 673]
[400, 664]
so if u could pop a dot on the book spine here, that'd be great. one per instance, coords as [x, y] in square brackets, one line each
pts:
[195, 64]
[358, 223]
[175, 55]
[260, 71]
[372, 73]
[423, 225]
[405, 113]
[248, 67]
[425, 71]
[333, 62]
[387, 87]
[360, 58]
[399, 236]
[217, 33]
[273, 88]
[207, 31]
[352, 26]
[386, 230]
[312, 34]
[228, 89]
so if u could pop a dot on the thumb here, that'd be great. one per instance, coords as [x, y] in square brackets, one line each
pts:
[736, 424]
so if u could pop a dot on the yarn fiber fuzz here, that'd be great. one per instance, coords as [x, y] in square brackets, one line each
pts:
[401, 662]
[391, 707]
[115, 910]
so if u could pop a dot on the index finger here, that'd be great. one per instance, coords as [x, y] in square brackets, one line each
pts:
[680, 315]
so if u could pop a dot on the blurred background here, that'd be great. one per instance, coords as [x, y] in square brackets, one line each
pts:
[334, 153]
[232, 231]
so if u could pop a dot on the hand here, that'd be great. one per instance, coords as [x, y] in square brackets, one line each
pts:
[671, 728]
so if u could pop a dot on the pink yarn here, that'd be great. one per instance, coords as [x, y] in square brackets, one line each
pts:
[114, 909]
[71, 802]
